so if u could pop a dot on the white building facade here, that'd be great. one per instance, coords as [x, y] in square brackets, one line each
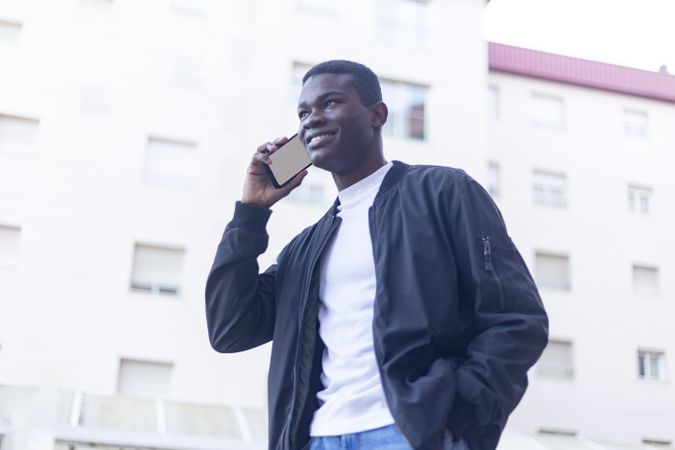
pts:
[125, 130]
[580, 155]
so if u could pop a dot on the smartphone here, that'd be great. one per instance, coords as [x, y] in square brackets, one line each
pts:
[287, 161]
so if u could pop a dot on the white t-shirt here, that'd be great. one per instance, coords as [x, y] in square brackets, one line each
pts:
[353, 399]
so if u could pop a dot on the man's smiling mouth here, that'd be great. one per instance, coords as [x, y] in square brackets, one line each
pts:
[317, 139]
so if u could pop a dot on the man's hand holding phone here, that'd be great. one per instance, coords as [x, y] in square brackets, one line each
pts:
[258, 186]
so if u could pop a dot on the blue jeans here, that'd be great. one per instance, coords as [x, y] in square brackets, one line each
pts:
[385, 438]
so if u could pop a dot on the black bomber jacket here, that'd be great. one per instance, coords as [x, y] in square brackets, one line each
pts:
[457, 322]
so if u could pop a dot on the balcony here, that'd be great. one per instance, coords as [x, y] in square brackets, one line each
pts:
[65, 420]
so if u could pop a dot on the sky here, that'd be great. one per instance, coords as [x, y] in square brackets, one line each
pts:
[633, 33]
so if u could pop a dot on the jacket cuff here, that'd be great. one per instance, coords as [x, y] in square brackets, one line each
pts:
[250, 217]
[461, 417]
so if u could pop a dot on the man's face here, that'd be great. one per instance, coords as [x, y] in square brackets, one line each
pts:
[335, 126]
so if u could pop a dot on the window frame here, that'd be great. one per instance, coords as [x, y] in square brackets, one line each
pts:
[494, 102]
[540, 123]
[16, 27]
[12, 264]
[569, 363]
[564, 287]
[400, 121]
[182, 181]
[644, 369]
[630, 126]
[494, 179]
[30, 147]
[547, 196]
[640, 200]
[646, 267]
[153, 287]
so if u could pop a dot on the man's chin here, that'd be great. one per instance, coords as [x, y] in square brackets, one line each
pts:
[321, 158]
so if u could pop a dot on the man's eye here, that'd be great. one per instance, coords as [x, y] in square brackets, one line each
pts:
[330, 103]
[302, 114]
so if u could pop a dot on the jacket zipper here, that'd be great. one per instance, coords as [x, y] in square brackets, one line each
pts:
[301, 317]
[489, 267]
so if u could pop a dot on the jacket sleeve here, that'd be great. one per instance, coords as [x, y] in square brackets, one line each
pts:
[240, 306]
[511, 325]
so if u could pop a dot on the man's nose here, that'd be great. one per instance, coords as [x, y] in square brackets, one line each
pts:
[314, 118]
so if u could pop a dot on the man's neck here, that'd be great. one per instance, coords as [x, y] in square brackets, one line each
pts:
[343, 181]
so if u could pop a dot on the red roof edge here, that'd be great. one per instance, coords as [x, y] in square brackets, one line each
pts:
[581, 72]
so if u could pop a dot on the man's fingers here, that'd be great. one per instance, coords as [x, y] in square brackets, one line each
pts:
[270, 147]
[280, 141]
[261, 157]
[262, 147]
[264, 150]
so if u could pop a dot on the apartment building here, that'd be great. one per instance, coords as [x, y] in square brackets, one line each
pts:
[579, 154]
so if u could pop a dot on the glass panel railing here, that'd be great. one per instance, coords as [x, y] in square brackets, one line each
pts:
[183, 418]
[93, 446]
[25, 403]
[257, 423]
[122, 413]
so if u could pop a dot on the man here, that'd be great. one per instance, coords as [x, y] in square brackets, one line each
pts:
[404, 318]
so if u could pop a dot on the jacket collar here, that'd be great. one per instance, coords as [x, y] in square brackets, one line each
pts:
[392, 177]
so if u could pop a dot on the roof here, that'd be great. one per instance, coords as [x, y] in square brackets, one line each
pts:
[581, 72]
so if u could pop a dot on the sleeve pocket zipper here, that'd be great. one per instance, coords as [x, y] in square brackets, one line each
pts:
[489, 267]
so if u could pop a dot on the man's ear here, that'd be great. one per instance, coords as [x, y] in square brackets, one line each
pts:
[378, 114]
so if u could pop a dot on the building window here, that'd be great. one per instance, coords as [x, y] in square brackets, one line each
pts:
[547, 112]
[658, 442]
[645, 279]
[635, 123]
[319, 7]
[18, 134]
[9, 246]
[556, 432]
[640, 200]
[143, 378]
[553, 271]
[494, 179]
[406, 104]
[157, 270]
[10, 31]
[295, 83]
[96, 4]
[493, 102]
[192, 9]
[170, 162]
[550, 189]
[557, 360]
[651, 365]
[402, 23]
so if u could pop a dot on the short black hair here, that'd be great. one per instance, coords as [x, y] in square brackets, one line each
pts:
[364, 80]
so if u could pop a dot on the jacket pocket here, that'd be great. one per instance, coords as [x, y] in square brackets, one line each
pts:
[491, 271]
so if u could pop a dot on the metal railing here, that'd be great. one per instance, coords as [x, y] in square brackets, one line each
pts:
[76, 421]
